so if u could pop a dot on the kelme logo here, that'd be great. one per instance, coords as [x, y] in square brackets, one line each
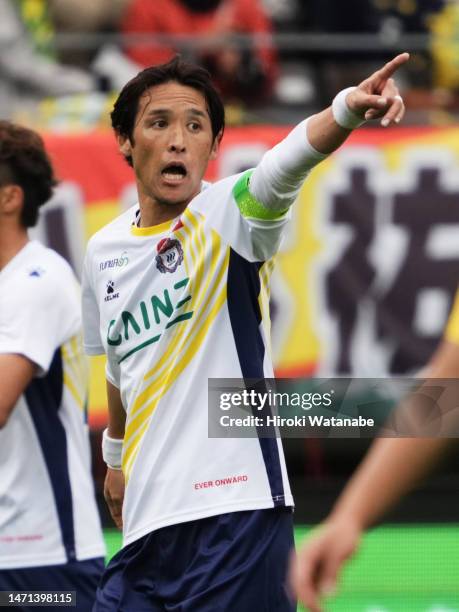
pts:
[111, 295]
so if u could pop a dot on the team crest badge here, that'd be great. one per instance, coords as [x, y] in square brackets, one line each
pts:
[170, 255]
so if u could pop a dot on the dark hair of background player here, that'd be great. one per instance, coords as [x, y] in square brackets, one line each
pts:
[176, 70]
[24, 162]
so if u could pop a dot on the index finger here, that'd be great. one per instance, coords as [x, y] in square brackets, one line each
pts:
[388, 69]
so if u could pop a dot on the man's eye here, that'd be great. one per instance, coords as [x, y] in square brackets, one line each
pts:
[159, 123]
[194, 126]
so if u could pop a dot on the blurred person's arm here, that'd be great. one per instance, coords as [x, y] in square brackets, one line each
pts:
[17, 372]
[391, 468]
[21, 64]
[87, 15]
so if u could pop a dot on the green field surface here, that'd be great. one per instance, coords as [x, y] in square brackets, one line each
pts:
[398, 569]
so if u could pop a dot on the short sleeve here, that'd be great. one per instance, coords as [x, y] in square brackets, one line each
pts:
[251, 210]
[113, 372]
[452, 327]
[253, 239]
[38, 317]
[90, 310]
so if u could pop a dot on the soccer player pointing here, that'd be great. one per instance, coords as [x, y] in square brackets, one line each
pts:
[207, 523]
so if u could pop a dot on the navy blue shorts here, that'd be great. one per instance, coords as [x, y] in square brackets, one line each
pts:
[232, 562]
[80, 576]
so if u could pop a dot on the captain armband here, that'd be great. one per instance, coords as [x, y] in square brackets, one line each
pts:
[249, 206]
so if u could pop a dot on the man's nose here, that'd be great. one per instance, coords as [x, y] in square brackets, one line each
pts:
[177, 141]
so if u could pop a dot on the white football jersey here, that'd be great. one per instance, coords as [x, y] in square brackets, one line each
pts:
[172, 306]
[48, 512]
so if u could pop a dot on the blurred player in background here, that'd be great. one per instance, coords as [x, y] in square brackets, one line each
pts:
[50, 534]
[18, 55]
[207, 523]
[390, 469]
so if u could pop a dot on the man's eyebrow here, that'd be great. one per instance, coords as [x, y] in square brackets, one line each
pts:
[167, 111]
[198, 113]
[158, 111]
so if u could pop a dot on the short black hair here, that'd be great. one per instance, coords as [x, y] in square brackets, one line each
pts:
[176, 70]
[24, 162]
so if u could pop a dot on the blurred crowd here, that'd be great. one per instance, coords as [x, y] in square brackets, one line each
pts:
[260, 52]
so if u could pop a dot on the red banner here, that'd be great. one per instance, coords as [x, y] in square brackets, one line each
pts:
[368, 269]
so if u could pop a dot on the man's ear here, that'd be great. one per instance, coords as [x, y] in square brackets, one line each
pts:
[216, 145]
[11, 199]
[124, 145]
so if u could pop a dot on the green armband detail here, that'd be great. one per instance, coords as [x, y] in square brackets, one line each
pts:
[249, 206]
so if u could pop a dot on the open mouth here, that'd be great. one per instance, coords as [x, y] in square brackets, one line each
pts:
[175, 171]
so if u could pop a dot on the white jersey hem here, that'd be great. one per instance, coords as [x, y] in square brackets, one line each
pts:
[32, 561]
[185, 517]
[94, 552]
[26, 561]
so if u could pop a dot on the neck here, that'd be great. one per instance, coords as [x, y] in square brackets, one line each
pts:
[12, 240]
[154, 212]
[160, 213]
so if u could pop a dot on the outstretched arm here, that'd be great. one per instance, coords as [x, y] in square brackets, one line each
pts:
[265, 194]
[390, 469]
[277, 179]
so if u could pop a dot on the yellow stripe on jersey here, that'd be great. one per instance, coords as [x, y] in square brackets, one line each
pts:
[452, 327]
[80, 362]
[210, 272]
[171, 375]
[197, 289]
[208, 279]
[263, 300]
[161, 386]
[76, 396]
[75, 370]
[165, 365]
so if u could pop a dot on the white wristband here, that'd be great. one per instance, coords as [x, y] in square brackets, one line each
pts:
[342, 114]
[111, 451]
